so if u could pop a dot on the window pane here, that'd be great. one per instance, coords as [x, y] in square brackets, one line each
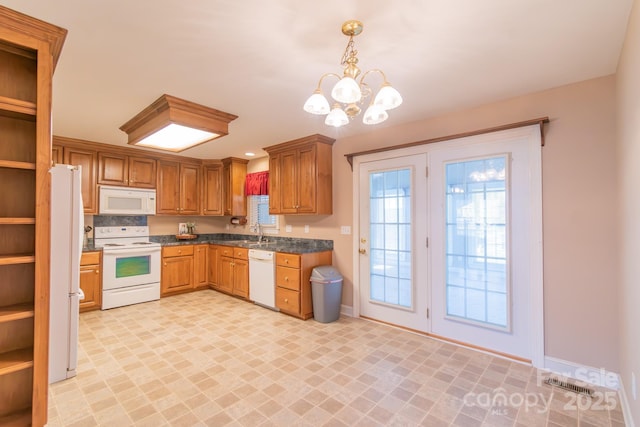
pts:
[476, 240]
[390, 237]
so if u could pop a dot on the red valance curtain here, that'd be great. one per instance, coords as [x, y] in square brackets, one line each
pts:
[257, 184]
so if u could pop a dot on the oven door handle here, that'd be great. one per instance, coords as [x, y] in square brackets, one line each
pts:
[136, 251]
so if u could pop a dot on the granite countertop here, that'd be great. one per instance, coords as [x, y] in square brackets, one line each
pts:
[250, 241]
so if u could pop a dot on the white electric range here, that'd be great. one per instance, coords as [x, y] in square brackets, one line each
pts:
[130, 265]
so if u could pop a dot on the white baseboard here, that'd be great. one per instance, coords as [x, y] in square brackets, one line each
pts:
[588, 374]
[346, 310]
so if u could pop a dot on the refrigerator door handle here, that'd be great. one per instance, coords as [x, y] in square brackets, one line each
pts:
[74, 309]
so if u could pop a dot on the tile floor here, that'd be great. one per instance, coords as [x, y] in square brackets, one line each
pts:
[207, 359]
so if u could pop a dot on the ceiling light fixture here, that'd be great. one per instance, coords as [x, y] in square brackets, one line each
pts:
[174, 124]
[350, 93]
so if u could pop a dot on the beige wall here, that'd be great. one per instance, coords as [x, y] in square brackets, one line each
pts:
[579, 213]
[628, 113]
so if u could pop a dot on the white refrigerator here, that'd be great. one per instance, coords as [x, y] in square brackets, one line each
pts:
[67, 228]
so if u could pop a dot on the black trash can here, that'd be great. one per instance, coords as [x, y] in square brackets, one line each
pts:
[326, 293]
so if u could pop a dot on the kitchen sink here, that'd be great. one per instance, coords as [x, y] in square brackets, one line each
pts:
[261, 244]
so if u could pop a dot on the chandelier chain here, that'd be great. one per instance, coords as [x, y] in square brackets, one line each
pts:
[349, 51]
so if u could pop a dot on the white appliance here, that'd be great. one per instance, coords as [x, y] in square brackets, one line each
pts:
[262, 283]
[130, 265]
[127, 201]
[67, 227]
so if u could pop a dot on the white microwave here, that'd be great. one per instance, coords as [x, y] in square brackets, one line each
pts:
[127, 201]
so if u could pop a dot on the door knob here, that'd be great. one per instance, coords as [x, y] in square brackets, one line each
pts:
[363, 251]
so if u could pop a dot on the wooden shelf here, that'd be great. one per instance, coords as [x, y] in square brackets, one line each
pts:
[15, 312]
[17, 221]
[17, 165]
[17, 259]
[22, 418]
[16, 360]
[17, 106]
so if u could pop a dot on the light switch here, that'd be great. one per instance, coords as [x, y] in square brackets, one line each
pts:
[345, 229]
[306, 228]
[288, 228]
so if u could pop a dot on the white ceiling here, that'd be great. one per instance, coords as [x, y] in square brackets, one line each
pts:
[260, 60]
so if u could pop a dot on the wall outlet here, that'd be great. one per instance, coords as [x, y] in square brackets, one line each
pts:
[306, 228]
[634, 386]
[288, 228]
[345, 229]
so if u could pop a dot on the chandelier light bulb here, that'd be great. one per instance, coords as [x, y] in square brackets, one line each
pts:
[346, 91]
[375, 114]
[336, 117]
[317, 104]
[387, 97]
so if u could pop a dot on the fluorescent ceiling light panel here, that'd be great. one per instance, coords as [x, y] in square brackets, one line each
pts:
[176, 138]
[174, 124]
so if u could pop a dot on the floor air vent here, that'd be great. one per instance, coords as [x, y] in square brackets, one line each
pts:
[568, 386]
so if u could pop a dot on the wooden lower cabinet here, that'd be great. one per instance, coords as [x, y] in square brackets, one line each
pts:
[233, 271]
[212, 266]
[177, 270]
[200, 266]
[293, 288]
[91, 281]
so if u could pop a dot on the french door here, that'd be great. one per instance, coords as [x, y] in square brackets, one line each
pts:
[392, 242]
[457, 254]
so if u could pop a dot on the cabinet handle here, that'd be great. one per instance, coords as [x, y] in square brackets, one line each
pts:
[286, 261]
[286, 279]
[165, 264]
[179, 251]
[286, 300]
[97, 271]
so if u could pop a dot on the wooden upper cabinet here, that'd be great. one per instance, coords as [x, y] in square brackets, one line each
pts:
[88, 161]
[142, 172]
[178, 188]
[234, 175]
[168, 193]
[57, 156]
[301, 176]
[122, 170]
[212, 190]
[189, 189]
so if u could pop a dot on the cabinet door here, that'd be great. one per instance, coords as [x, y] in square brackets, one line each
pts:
[142, 172]
[90, 283]
[225, 274]
[213, 266]
[307, 180]
[189, 189]
[168, 193]
[241, 277]
[213, 190]
[274, 184]
[288, 182]
[113, 169]
[88, 160]
[200, 267]
[177, 274]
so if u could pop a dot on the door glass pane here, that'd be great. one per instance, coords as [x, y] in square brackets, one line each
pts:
[390, 237]
[476, 241]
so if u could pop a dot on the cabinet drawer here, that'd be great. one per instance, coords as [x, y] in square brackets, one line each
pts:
[288, 260]
[226, 251]
[240, 253]
[287, 300]
[288, 278]
[169, 251]
[90, 258]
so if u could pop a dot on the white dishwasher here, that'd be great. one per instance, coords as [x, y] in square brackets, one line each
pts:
[262, 278]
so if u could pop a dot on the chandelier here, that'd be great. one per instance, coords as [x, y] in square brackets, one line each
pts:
[349, 93]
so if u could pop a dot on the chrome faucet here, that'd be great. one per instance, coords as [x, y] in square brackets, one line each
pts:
[259, 231]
